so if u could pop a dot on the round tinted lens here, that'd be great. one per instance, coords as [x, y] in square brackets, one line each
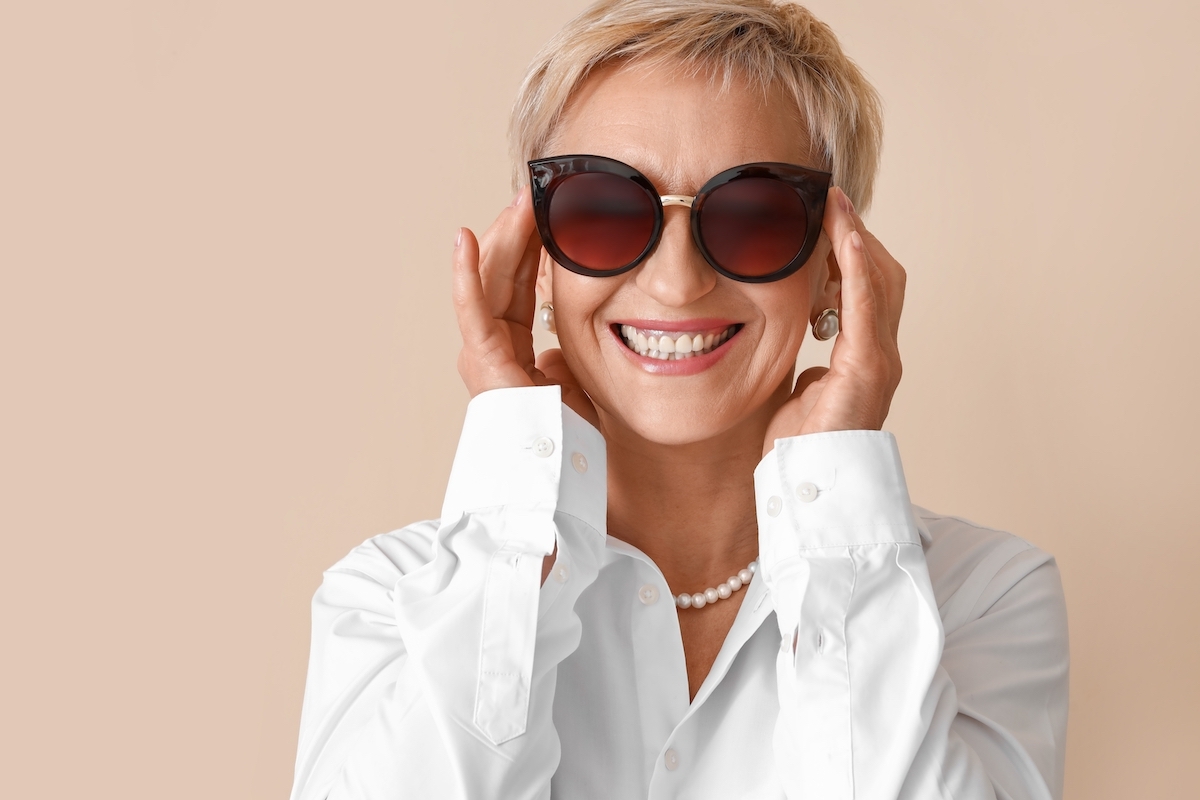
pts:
[601, 221]
[753, 226]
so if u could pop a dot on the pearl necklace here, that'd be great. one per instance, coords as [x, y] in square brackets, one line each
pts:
[722, 592]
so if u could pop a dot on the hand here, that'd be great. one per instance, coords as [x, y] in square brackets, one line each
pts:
[855, 391]
[495, 299]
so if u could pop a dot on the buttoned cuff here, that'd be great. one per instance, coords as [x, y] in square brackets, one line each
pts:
[527, 467]
[831, 490]
[523, 449]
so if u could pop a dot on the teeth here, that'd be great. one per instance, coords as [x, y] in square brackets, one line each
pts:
[666, 348]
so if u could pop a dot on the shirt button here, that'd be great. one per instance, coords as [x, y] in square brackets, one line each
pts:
[543, 447]
[774, 505]
[671, 760]
[579, 462]
[807, 492]
[561, 572]
[648, 594]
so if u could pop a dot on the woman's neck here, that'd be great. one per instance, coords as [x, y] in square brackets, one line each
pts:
[689, 507]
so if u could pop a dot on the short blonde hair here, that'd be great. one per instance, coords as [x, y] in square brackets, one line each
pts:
[767, 42]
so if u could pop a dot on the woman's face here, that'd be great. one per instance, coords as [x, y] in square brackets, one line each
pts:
[679, 131]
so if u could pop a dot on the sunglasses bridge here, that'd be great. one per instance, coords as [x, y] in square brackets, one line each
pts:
[677, 200]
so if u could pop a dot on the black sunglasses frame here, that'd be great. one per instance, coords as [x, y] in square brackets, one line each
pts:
[812, 186]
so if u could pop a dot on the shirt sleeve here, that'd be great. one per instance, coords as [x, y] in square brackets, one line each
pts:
[876, 703]
[435, 649]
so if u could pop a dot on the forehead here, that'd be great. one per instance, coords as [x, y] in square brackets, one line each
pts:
[680, 127]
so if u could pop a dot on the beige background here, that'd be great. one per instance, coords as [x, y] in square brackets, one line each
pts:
[228, 351]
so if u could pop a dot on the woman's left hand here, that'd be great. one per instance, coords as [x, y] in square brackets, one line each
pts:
[855, 391]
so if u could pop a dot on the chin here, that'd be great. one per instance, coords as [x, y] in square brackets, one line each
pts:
[676, 421]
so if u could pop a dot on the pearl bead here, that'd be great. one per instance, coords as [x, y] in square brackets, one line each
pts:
[827, 326]
[546, 315]
[723, 591]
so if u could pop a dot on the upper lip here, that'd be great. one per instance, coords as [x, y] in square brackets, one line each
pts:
[677, 325]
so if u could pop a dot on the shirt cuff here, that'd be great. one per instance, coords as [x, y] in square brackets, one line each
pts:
[831, 490]
[523, 449]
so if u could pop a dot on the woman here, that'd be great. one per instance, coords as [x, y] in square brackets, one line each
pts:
[661, 568]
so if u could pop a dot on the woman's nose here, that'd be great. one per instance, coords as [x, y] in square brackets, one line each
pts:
[676, 274]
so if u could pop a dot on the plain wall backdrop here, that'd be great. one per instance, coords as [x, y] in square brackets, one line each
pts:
[228, 350]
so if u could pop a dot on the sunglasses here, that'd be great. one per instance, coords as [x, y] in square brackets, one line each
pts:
[755, 223]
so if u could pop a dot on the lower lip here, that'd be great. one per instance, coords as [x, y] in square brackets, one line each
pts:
[686, 366]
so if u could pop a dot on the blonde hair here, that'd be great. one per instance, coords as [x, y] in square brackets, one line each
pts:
[767, 42]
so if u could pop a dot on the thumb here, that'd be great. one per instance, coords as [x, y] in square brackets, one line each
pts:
[808, 378]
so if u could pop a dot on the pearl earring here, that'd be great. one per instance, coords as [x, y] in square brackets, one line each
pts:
[546, 316]
[827, 325]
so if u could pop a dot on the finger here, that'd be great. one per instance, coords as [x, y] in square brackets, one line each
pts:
[470, 306]
[522, 304]
[859, 311]
[878, 279]
[878, 285]
[895, 277]
[883, 316]
[504, 250]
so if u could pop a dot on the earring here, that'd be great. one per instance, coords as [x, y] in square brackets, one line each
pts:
[546, 315]
[826, 325]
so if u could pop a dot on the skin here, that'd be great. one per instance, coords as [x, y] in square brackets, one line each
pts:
[682, 449]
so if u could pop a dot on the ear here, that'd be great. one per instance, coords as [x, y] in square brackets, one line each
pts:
[828, 291]
[545, 280]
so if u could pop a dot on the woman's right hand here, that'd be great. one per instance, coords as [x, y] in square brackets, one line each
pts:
[495, 299]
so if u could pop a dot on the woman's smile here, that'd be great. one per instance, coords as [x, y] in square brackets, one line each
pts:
[682, 347]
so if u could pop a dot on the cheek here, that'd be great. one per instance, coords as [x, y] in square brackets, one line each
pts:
[576, 299]
[786, 313]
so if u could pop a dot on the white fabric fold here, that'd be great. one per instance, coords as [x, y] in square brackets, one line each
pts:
[883, 653]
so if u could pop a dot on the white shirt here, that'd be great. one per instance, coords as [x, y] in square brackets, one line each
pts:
[881, 651]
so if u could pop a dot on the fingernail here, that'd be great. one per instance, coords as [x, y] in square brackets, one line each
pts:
[847, 206]
[856, 240]
[520, 198]
[458, 238]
